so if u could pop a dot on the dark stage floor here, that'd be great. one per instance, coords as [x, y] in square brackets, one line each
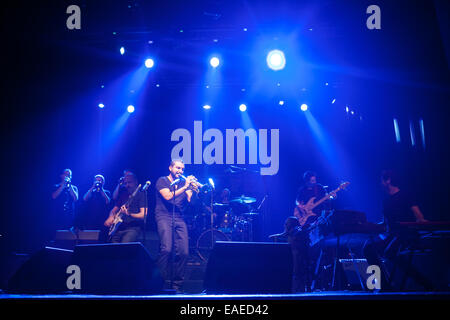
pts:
[336, 295]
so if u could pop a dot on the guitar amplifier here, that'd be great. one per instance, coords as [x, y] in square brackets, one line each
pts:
[89, 235]
[67, 239]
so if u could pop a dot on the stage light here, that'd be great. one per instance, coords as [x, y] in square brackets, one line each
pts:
[304, 107]
[276, 60]
[333, 101]
[214, 62]
[130, 108]
[281, 102]
[347, 109]
[206, 107]
[149, 63]
[122, 50]
[243, 107]
[101, 105]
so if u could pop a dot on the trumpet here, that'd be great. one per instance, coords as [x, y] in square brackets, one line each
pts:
[195, 185]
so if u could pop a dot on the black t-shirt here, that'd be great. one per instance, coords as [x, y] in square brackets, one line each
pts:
[305, 193]
[397, 208]
[164, 207]
[63, 209]
[135, 206]
[64, 203]
[95, 211]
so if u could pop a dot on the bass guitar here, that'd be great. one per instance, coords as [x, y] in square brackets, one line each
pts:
[305, 211]
[118, 218]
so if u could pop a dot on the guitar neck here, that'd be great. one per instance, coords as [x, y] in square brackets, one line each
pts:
[328, 196]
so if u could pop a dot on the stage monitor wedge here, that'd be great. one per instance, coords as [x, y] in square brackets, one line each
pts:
[117, 268]
[249, 267]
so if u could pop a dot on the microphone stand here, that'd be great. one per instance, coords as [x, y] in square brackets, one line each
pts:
[145, 217]
[212, 218]
[172, 248]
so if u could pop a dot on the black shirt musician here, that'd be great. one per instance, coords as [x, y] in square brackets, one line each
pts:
[307, 195]
[64, 196]
[132, 215]
[96, 202]
[172, 198]
[399, 206]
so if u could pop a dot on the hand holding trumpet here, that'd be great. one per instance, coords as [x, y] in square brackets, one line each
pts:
[192, 183]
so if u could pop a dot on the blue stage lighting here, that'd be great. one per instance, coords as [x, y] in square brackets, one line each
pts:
[276, 60]
[242, 107]
[214, 62]
[206, 107]
[149, 63]
[281, 102]
[101, 105]
[304, 107]
[130, 108]
[122, 50]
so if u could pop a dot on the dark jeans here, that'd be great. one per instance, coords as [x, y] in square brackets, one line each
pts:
[130, 234]
[180, 245]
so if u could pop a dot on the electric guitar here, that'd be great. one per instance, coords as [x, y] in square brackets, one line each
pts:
[118, 219]
[305, 211]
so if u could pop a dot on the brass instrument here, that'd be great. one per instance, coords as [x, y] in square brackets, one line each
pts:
[195, 185]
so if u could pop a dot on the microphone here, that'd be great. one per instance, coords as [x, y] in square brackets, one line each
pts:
[211, 182]
[146, 185]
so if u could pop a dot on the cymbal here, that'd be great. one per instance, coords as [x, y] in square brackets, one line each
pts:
[243, 200]
[251, 214]
[221, 205]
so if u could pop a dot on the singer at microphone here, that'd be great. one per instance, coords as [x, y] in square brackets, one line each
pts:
[171, 204]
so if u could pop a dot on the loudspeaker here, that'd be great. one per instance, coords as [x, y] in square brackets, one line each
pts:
[249, 267]
[44, 272]
[355, 271]
[117, 268]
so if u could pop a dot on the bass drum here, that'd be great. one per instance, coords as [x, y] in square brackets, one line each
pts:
[206, 242]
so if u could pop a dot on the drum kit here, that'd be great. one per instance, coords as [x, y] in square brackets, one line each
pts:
[229, 221]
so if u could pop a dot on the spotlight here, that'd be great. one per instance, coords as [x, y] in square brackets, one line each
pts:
[130, 108]
[304, 107]
[276, 60]
[206, 107]
[149, 63]
[242, 107]
[281, 102]
[122, 50]
[347, 109]
[101, 105]
[214, 62]
[333, 101]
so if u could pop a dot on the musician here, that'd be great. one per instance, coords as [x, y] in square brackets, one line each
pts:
[310, 189]
[96, 202]
[120, 188]
[64, 196]
[399, 206]
[172, 197]
[133, 219]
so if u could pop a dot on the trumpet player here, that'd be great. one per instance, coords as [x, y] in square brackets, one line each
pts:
[173, 194]
[64, 196]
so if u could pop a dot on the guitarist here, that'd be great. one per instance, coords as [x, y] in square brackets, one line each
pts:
[310, 189]
[133, 218]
